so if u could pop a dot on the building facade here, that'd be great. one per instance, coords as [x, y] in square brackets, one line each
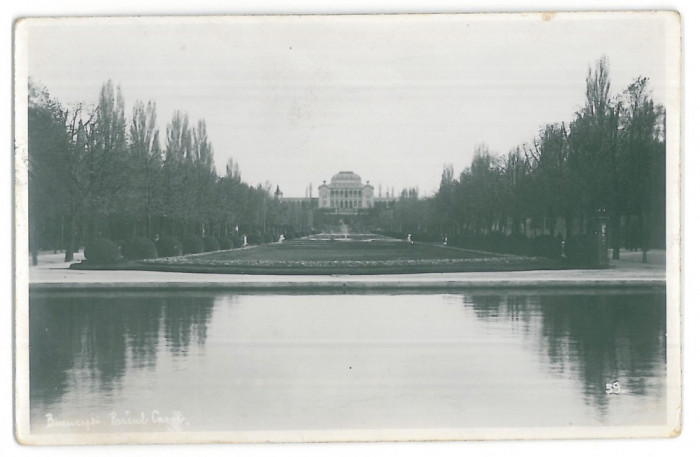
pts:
[346, 194]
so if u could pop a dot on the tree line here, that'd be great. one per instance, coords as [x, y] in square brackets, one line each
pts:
[608, 161]
[95, 173]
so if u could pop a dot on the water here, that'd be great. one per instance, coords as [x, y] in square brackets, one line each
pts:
[216, 361]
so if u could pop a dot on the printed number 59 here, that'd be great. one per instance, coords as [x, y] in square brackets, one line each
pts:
[612, 387]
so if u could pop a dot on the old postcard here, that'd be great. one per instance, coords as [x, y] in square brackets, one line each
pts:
[347, 227]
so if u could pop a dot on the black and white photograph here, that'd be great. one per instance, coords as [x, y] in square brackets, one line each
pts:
[333, 228]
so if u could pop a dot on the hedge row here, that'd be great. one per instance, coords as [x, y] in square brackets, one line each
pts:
[516, 243]
[104, 251]
[579, 249]
[101, 251]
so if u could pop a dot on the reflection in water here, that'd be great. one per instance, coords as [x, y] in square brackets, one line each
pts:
[94, 339]
[184, 322]
[312, 361]
[598, 338]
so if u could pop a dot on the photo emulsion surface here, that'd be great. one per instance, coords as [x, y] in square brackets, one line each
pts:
[325, 228]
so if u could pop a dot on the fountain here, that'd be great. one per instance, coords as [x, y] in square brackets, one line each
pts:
[344, 229]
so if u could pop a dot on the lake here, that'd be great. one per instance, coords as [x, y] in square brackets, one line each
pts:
[135, 361]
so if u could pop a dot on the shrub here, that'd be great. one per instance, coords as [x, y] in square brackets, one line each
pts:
[102, 251]
[192, 244]
[581, 249]
[426, 237]
[518, 243]
[211, 244]
[139, 248]
[169, 246]
[495, 242]
[547, 246]
[468, 241]
[225, 243]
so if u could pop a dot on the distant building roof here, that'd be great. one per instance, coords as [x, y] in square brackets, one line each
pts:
[346, 177]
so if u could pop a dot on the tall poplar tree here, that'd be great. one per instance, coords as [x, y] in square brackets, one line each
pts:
[146, 163]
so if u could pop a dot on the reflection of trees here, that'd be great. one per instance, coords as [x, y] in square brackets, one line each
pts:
[51, 330]
[600, 337]
[612, 336]
[142, 329]
[102, 335]
[185, 321]
[515, 307]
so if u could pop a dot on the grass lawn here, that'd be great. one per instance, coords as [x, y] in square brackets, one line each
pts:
[345, 250]
[354, 255]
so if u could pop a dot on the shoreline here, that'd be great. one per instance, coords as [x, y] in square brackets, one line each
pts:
[354, 286]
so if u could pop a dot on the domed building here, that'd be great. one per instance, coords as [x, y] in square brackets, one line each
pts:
[346, 194]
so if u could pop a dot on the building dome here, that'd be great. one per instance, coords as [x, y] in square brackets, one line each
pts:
[346, 177]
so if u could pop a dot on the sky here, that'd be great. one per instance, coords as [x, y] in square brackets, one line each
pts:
[293, 100]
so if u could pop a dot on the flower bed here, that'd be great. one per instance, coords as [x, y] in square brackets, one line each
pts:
[193, 261]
